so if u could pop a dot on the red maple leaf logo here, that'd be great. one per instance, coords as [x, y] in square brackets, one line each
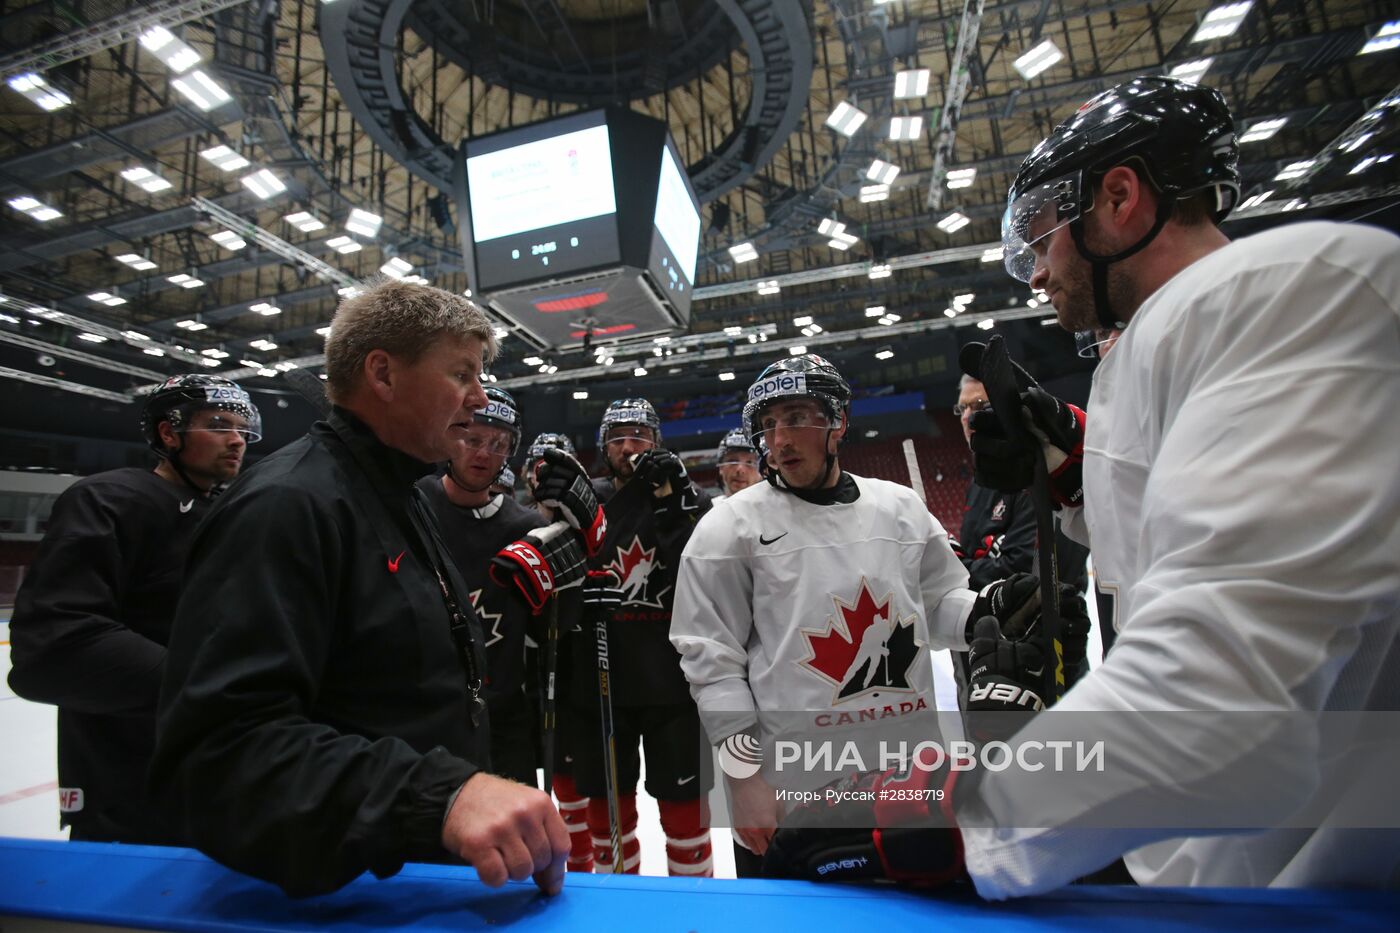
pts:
[859, 641]
[633, 566]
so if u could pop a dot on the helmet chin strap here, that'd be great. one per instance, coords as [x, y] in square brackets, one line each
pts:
[1105, 313]
[173, 458]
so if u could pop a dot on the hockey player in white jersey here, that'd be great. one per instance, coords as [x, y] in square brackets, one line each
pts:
[781, 586]
[1241, 493]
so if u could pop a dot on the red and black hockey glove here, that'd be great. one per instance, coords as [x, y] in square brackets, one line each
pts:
[957, 547]
[999, 463]
[896, 825]
[540, 564]
[988, 547]
[561, 484]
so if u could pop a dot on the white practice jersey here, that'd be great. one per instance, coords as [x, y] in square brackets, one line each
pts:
[1242, 499]
[783, 605]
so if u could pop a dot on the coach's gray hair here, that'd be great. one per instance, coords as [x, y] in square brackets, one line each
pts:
[962, 383]
[398, 318]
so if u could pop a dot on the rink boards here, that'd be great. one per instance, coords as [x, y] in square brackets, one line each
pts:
[52, 886]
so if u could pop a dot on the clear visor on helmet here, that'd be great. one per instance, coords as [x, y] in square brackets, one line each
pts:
[1095, 344]
[243, 419]
[787, 417]
[621, 433]
[1032, 217]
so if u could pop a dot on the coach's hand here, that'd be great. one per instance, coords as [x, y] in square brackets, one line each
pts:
[507, 831]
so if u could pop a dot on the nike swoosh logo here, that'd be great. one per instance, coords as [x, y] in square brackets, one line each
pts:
[394, 562]
[763, 540]
[681, 782]
[186, 506]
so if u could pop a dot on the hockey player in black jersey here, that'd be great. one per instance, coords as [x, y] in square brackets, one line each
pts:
[93, 616]
[513, 561]
[736, 461]
[573, 723]
[651, 507]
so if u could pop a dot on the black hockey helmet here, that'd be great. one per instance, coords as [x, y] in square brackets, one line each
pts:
[629, 411]
[500, 412]
[180, 397]
[805, 376]
[1182, 136]
[734, 440]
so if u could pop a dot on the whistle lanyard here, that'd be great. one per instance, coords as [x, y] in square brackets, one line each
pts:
[459, 623]
[417, 522]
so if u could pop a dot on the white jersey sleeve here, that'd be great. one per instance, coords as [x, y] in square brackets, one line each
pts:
[713, 620]
[1242, 482]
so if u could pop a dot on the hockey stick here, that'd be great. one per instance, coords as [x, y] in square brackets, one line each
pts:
[308, 385]
[916, 479]
[609, 746]
[551, 664]
[992, 365]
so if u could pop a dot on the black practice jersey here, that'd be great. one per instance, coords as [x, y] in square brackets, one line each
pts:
[88, 635]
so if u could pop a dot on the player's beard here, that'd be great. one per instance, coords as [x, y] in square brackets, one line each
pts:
[1077, 311]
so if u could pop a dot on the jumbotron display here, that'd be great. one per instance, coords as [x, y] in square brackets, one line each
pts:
[588, 217]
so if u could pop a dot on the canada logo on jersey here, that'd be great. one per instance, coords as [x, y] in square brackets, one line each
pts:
[634, 565]
[999, 510]
[494, 634]
[864, 648]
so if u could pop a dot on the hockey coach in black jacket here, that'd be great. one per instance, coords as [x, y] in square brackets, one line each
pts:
[321, 713]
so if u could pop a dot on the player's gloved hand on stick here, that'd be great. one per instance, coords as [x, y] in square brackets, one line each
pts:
[540, 564]
[1004, 683]
[1015, 605]
[562, 484]
[1001, 463]
[1013, 602]
[601, 597]
[896, 825]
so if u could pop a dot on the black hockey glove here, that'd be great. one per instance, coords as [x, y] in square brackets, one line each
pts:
[601, 597]
[675, 495]
[561, 484]
[999, 463]
[540, 564]
[896, 825]
[1004, 683]
[1015, 605]
[1013, 602]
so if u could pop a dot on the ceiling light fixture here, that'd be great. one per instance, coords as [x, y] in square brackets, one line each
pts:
[263, 183]
[364, 223]
[1222, 21]
[1038, 59]
[224, 158]
[145, 179]
[39, 91]
[201, 90]
[911, 83]
[906, 128]
[846, 118]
